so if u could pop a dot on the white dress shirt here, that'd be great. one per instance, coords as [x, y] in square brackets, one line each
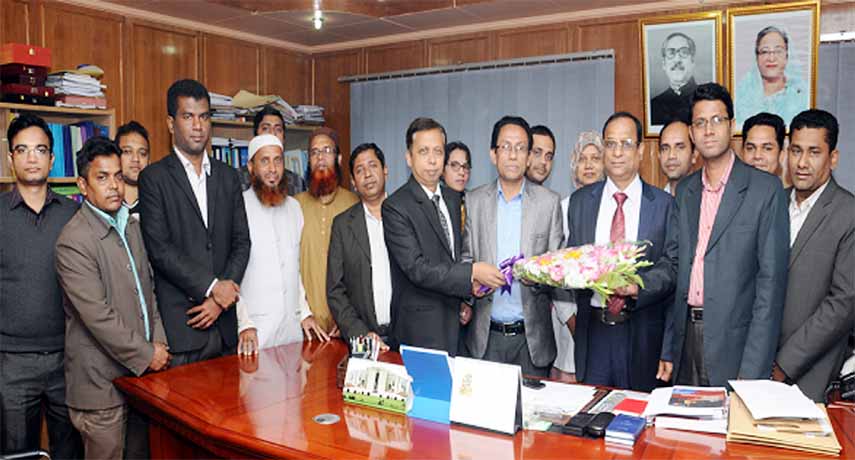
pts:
[199, 185]
[273, 300]
[381, 276]
[444, 210]
[799, 212]
[631, 214]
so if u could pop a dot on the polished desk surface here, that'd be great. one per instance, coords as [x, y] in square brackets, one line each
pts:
[264, 407]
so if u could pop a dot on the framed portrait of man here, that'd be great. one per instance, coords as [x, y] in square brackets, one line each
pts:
[772, 55]
[678, 53]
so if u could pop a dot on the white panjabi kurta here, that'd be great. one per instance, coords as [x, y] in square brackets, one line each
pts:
[272, 297]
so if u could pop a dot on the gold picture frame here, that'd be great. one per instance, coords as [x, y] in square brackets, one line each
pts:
[701, 32]
[799, 22]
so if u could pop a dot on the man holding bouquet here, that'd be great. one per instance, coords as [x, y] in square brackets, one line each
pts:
[619, 340]
[505, 219]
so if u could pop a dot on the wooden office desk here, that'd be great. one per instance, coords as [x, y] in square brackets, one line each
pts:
[239, 408]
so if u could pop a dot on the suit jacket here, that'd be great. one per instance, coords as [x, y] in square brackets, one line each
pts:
[745, 272]
[428, 284]
[541, 232]
[648, 313]
[105, 331]
[820, 305]
[187, 256]
[350, 294]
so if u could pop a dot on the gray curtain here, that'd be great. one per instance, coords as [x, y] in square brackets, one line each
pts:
[835, 92]
[568, 97]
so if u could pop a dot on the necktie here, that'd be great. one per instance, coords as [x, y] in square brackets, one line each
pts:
[442, 221]
[617, 234]
[462, 217]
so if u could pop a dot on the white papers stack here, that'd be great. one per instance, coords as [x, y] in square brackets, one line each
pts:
[310, 114]
[552, 403]
[769, 399]
[702, 409]
[75, 84]
[252, 103]
[222, 107]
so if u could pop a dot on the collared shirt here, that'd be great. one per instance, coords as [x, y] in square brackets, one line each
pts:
[608, 206]
[667, 188]
[31, 314]
[314, 248]
[508, 308]
[799, 212]
[119, 224]
[710, 201]
[444, 210]
[133, 208]
[381, 275]
[198, 182]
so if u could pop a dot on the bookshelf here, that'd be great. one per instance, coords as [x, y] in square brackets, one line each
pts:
[58, 115]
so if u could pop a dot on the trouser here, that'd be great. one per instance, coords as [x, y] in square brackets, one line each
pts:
[607, 361]
[136, 436]
[693, 369]
[214, 347]
[513, 349]
[28, 380]
[103, 431]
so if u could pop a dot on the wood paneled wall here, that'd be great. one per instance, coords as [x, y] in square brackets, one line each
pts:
[141, 59]
[619, 33]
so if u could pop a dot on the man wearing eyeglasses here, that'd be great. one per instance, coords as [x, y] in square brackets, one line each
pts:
[506, 218]
[728, 254]
[324, 200]
[619, 341]
[678, 63]
[32, 320]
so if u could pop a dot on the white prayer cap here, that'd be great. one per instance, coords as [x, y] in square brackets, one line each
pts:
[263, 140]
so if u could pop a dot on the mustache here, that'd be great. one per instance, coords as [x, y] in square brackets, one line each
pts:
[678, 66]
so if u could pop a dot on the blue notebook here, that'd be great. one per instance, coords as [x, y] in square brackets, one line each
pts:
[431, 383]
[625, 427]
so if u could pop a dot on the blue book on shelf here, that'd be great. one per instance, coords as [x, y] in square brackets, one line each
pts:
[58, 167]
[431, 373]
[67, 153]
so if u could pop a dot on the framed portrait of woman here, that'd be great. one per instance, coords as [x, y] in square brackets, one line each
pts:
[772, 55]
[678, 52]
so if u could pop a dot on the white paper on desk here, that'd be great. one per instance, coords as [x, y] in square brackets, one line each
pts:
[484, 394]
[770, 399]
[556, 398]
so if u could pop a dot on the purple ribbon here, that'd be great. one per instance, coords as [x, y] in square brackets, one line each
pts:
[507, 268]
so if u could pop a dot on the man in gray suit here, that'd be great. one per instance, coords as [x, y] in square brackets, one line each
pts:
[505, 218]
[727, 248]
[820, 305]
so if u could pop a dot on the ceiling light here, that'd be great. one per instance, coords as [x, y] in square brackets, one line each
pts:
[318, 20]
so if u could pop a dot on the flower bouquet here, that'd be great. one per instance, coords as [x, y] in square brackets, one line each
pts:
[601, 269]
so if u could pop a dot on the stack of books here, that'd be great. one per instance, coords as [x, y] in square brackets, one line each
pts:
[310, 114]
[223, 108]
[253, 103]
[23, 74]
[624, 430]
[80, 88]
[775, 414]
[701, 409]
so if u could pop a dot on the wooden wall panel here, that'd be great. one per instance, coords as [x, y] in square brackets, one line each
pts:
[15, 21]
[460, 49]
[230, 65]
[400, 56]
[287, 74]
[335, 96]
[158, 57]
[79, 36]
[540, 41]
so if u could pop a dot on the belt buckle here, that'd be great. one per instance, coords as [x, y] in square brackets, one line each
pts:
[696, 314]
[506, 330]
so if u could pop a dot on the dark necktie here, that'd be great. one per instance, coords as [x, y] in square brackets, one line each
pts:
[616, 235]
[442, 221]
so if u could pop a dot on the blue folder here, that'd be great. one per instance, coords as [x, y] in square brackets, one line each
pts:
[431, 383]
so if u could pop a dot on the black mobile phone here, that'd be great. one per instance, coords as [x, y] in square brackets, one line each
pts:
[534, 384]
[597, 427]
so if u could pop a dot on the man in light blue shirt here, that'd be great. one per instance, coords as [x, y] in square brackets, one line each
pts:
[507, 218]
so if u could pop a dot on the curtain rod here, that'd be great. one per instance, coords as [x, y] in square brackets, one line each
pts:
[520, 62]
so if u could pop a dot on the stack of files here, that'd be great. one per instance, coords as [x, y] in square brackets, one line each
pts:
[625, 430]
[689, 408]
[75, 83]
[23, 74]
[774, 414]
[310, 114]
[67, 141]
[254, 103]
[222, 107]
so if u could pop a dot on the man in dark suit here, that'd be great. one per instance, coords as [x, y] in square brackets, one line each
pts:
[820, 303]
[728, 252]
[359, 283]
[507, 217]
[619, 343]
[195, 230]
[424, 241]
